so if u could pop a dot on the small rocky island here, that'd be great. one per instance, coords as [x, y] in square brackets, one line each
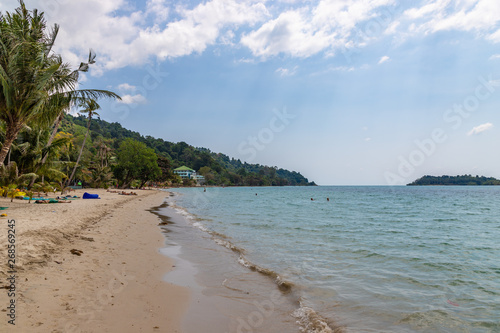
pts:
[455, 180]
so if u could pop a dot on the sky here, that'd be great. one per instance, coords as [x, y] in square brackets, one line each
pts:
[347, 92]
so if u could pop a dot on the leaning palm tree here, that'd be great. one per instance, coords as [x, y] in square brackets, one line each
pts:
[10, 176]
[29, 148]
[33, 80]
[58, 108]
[62, 105]
[90, 107]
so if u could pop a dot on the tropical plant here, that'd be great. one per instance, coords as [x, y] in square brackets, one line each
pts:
[29, 148]
[45, 187]
[35, 83]
[100, 176]
[9, 175]
[90, 107]
[104, 153]
[29, 194]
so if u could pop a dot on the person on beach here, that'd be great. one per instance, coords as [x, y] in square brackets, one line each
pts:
[51, 201]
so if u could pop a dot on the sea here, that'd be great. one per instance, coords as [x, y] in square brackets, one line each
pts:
[336, 258]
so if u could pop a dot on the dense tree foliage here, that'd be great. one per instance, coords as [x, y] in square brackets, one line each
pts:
[455, 180]
[218, 169]
[36, 85]
[135, 161]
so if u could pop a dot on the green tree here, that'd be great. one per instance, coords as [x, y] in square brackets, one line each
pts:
[204, 170]
[90, 107]
[166, 169]
[35, 83]
[28, 149]
[135, 161]
[9, 175]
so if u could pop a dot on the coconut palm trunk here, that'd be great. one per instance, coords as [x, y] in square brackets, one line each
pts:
[51, 139]
[90, 107]
[52, 136]
[10, 135]
[79, 156]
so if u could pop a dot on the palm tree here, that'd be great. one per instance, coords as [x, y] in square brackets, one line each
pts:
[9, 175]
[104, 152]
[90, 106]
[29, 148]
[62, 105]
[34, 82]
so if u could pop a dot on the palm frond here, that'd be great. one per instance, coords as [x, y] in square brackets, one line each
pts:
[93, 94]
[92, 56]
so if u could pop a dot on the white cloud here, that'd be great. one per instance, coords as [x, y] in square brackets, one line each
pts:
[495, 83]
[290, 33]
[245, 61]
[132, 99]
[126, 87]
[286, 71]
[427, 9]
[495, 56]
[495, 37]
[199, 28]
[306, 31]
[462, 15]
[227, 38]
[336, 69]
[383, 59]
[480, 129]
[123, 33]
[159, 9]
[392, 28]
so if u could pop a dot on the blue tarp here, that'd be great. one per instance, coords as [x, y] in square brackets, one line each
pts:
[90, 196]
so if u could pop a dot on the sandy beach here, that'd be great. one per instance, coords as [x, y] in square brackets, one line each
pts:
[88, 266]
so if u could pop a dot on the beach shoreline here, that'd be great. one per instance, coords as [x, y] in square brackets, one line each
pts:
[227, 294]
[88, 266]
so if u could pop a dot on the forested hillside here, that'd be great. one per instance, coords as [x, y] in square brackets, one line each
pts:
[455, 180]
[218, 169]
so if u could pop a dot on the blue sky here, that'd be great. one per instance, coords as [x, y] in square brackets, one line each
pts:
[344, 91]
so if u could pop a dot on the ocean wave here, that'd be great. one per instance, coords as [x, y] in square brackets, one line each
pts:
[200, 226]
[228, 245]
[221, 239]
[283, 285]
[311, 322]
[183, 212]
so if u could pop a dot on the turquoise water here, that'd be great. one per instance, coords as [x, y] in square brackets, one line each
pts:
[371, 259]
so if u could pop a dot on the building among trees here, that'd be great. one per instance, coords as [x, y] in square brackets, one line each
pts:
[187, 173]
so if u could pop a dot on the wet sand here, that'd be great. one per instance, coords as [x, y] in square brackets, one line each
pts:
[114, 285]
[226, 296]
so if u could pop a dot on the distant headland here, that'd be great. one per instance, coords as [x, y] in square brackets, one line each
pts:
[455, 180]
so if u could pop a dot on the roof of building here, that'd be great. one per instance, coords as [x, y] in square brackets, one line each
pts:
[183, 168]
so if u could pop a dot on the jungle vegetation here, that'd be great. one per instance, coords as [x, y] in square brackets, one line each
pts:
[455, 180]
